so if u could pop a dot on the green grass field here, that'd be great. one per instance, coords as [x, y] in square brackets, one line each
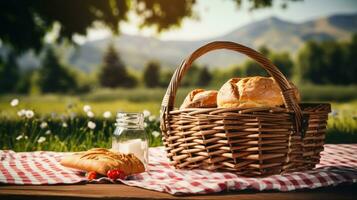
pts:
[138, 99]
[127, 100]
[67, 124]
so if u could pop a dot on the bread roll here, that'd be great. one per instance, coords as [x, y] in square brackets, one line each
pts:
[251, 92]
[199, 98]
[102, 160]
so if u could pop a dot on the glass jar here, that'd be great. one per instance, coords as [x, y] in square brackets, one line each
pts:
[130, 136]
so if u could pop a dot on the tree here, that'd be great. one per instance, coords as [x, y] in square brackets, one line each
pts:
[9, 74]
[333, 67]
[204, 77]
[165, 78]
[310, 62]
[24, 84]
[113, 72]
[351, 63]
[328, 62]
[191, 76]
[36, 18]
[151, 75]
[264, 50]
[283, 62]
[53, 76]
[252, 68]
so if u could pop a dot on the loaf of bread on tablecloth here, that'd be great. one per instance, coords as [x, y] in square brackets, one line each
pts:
[200, 98]
[102, 160]
[250, 92]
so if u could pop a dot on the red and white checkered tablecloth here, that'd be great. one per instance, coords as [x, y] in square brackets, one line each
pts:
[338, 165]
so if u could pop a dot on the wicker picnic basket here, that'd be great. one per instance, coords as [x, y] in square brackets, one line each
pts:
[251, 142]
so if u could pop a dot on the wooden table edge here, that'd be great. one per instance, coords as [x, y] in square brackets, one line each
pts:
[119, 191]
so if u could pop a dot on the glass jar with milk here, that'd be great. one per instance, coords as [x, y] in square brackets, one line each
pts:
[130, 136]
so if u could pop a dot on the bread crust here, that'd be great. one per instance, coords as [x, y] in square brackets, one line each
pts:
[200, 98]
[250, 92]
[102, 160]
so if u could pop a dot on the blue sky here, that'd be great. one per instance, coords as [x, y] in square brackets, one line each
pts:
[218, 17]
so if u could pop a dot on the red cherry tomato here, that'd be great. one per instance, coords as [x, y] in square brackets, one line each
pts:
[116, 174]
[91, 175]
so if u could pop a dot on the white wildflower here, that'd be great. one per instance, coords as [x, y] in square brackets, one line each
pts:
[155, 133]
[53, 115]
[91, 125]
[107, 114]
[334, 113]
[21, 113]
[64, 125]
[145, 124]
[152, 118]
[90, 114]
[43, 125]
[72, 115]
[48, 132]
[41, 140]
[14, 102]
[87, 108]
[26, 137]
[146, 113]
[19, 137]
[29, 114]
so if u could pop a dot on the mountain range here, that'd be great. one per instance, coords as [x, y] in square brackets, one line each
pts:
[275, 33]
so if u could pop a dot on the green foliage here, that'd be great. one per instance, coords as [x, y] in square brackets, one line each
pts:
[204, 77]
[220, 76]
[53, 76]
[9, 74]
[257, 4]
[264, 50]
[165, 78]
[283, 62]
[191, 76]
[64, 134]
[25, 23]
[113, 72]
[252, 68]
[151, 75]
[85, 82]
[196, 76]
[130, 81]
[237, 71]
[36, 18]
[351, 60]
[329, 62]
[24, 84]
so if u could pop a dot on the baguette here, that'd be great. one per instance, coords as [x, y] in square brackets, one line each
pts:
[102, 160]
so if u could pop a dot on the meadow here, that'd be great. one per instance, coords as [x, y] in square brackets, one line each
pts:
[64, 123]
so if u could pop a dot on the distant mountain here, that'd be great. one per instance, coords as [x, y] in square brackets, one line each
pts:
[273, 32]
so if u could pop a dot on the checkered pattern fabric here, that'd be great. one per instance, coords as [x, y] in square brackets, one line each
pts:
[338, 165]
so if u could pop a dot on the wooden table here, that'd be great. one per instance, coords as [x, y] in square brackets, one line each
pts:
[119, 191]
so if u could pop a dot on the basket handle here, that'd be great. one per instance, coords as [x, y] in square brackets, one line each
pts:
[287, 91]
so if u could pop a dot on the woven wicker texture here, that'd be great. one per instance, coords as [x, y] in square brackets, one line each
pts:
[252, 142]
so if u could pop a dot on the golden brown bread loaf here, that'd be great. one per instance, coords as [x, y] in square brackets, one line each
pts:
[199, 98]
[102, 160]
[251, 92]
